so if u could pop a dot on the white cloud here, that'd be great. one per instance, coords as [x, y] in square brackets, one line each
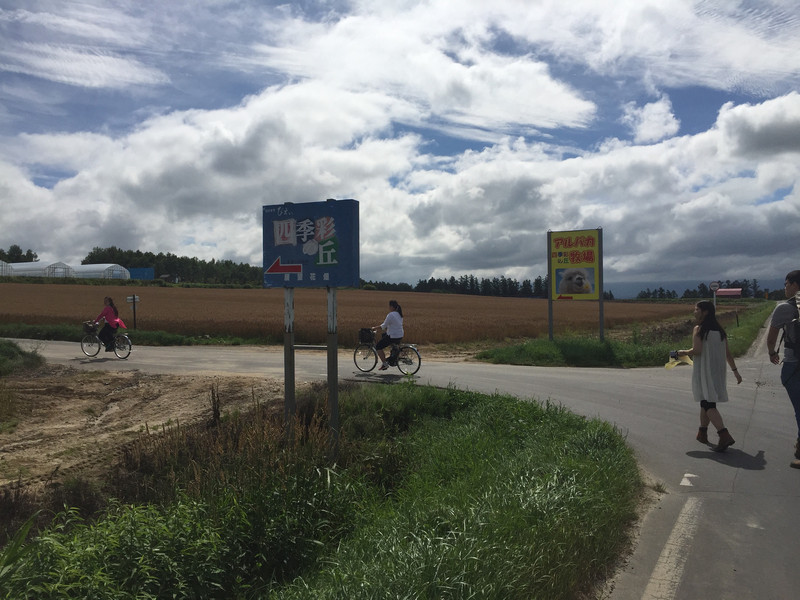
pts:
[466, 130]
[652, 122]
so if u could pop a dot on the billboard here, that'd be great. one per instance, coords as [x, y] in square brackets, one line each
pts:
[311, 245]
[575, 263]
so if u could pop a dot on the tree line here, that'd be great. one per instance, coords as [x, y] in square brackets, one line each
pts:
[14, 254]
[226, 272]
[178, 268]
[750, 289]
[469, 284]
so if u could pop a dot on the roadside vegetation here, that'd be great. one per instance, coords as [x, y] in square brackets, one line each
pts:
[73, 333]
[430, 493]
[640, 348]
[13, 359]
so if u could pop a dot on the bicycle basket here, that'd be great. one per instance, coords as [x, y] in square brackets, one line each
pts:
[89, 327]
[365, 336]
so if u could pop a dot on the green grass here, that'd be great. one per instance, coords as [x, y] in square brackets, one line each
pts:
[434, 493]
[639, 351]
[139, 337]
[12, 358]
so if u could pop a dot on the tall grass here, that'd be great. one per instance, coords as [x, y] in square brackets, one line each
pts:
[13, 359]
[434, 493]
[492, 506]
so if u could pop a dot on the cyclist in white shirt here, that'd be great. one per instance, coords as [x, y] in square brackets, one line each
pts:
[392, 328]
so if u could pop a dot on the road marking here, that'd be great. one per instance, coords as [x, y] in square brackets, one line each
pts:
[686, 479]
[668, 572]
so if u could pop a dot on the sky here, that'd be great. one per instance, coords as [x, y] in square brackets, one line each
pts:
[466, 130]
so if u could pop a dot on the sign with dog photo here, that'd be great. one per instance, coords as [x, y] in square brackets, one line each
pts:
[575, 263]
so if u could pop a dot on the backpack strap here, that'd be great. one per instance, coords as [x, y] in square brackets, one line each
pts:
[793, 302]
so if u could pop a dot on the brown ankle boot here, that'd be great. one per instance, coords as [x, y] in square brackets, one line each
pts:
[702, 435]
[725, 440]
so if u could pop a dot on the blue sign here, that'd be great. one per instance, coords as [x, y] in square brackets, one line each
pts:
[311, 245]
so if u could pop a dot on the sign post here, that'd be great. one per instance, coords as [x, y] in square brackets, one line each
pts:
[714, 286]
[133, 300]
[311, 245]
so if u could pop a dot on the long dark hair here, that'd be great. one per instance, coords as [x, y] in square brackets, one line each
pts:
[112, 305]
[396, 306]
[709, 322]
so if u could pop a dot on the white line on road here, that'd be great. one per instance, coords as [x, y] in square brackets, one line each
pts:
[668, 572]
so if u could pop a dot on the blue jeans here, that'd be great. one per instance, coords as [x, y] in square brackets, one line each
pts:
[790, 378]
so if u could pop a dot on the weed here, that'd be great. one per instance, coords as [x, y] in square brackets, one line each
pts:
[434, 493]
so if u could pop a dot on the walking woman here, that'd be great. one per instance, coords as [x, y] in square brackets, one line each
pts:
[710, 352]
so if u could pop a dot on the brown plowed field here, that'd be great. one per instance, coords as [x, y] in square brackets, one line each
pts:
[429, 318]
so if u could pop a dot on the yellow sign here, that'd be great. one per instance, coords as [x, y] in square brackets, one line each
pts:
[575, 264]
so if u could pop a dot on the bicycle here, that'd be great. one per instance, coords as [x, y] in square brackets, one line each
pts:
[91, 343]
[404, 356]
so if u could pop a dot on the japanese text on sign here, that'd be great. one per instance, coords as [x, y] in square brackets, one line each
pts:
[316, 237]
[311, 245]
[574, 264]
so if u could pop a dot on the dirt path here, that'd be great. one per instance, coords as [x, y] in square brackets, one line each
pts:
[69, 422]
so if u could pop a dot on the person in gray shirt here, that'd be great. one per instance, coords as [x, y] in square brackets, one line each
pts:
[785, 317]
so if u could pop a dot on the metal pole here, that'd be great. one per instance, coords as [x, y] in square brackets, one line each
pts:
[289, 406]
[333, 368]
[600, 278]
[550, 281]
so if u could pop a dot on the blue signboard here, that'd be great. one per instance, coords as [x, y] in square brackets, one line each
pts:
[311, 245]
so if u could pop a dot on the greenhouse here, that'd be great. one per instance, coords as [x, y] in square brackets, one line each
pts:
[107, 271]
[37, 269]
[5, 269]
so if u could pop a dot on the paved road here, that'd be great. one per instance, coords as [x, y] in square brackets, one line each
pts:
[727, 526]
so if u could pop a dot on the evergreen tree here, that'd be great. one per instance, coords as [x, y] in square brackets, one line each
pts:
[14, 254]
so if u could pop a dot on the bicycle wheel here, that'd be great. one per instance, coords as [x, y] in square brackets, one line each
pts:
[365, 357]
[122, 346]
[90, 344]
[408, 361]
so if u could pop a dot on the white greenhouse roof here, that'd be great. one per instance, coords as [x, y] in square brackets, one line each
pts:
[101, 271]
[39, 269]
[5, 269]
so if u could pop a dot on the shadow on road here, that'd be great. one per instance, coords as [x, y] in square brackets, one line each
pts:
[733, 458]
[377, 377]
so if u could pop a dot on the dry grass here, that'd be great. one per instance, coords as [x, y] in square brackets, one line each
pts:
[259, 313]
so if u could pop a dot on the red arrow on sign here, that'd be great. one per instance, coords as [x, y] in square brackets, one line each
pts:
[277, 267]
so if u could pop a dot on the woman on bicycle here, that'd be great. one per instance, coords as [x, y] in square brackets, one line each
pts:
[111, 316]
[392, 328]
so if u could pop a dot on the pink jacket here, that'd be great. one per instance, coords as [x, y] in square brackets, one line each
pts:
[110, 317]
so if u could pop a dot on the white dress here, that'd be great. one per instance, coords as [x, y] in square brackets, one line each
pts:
[709, 372]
